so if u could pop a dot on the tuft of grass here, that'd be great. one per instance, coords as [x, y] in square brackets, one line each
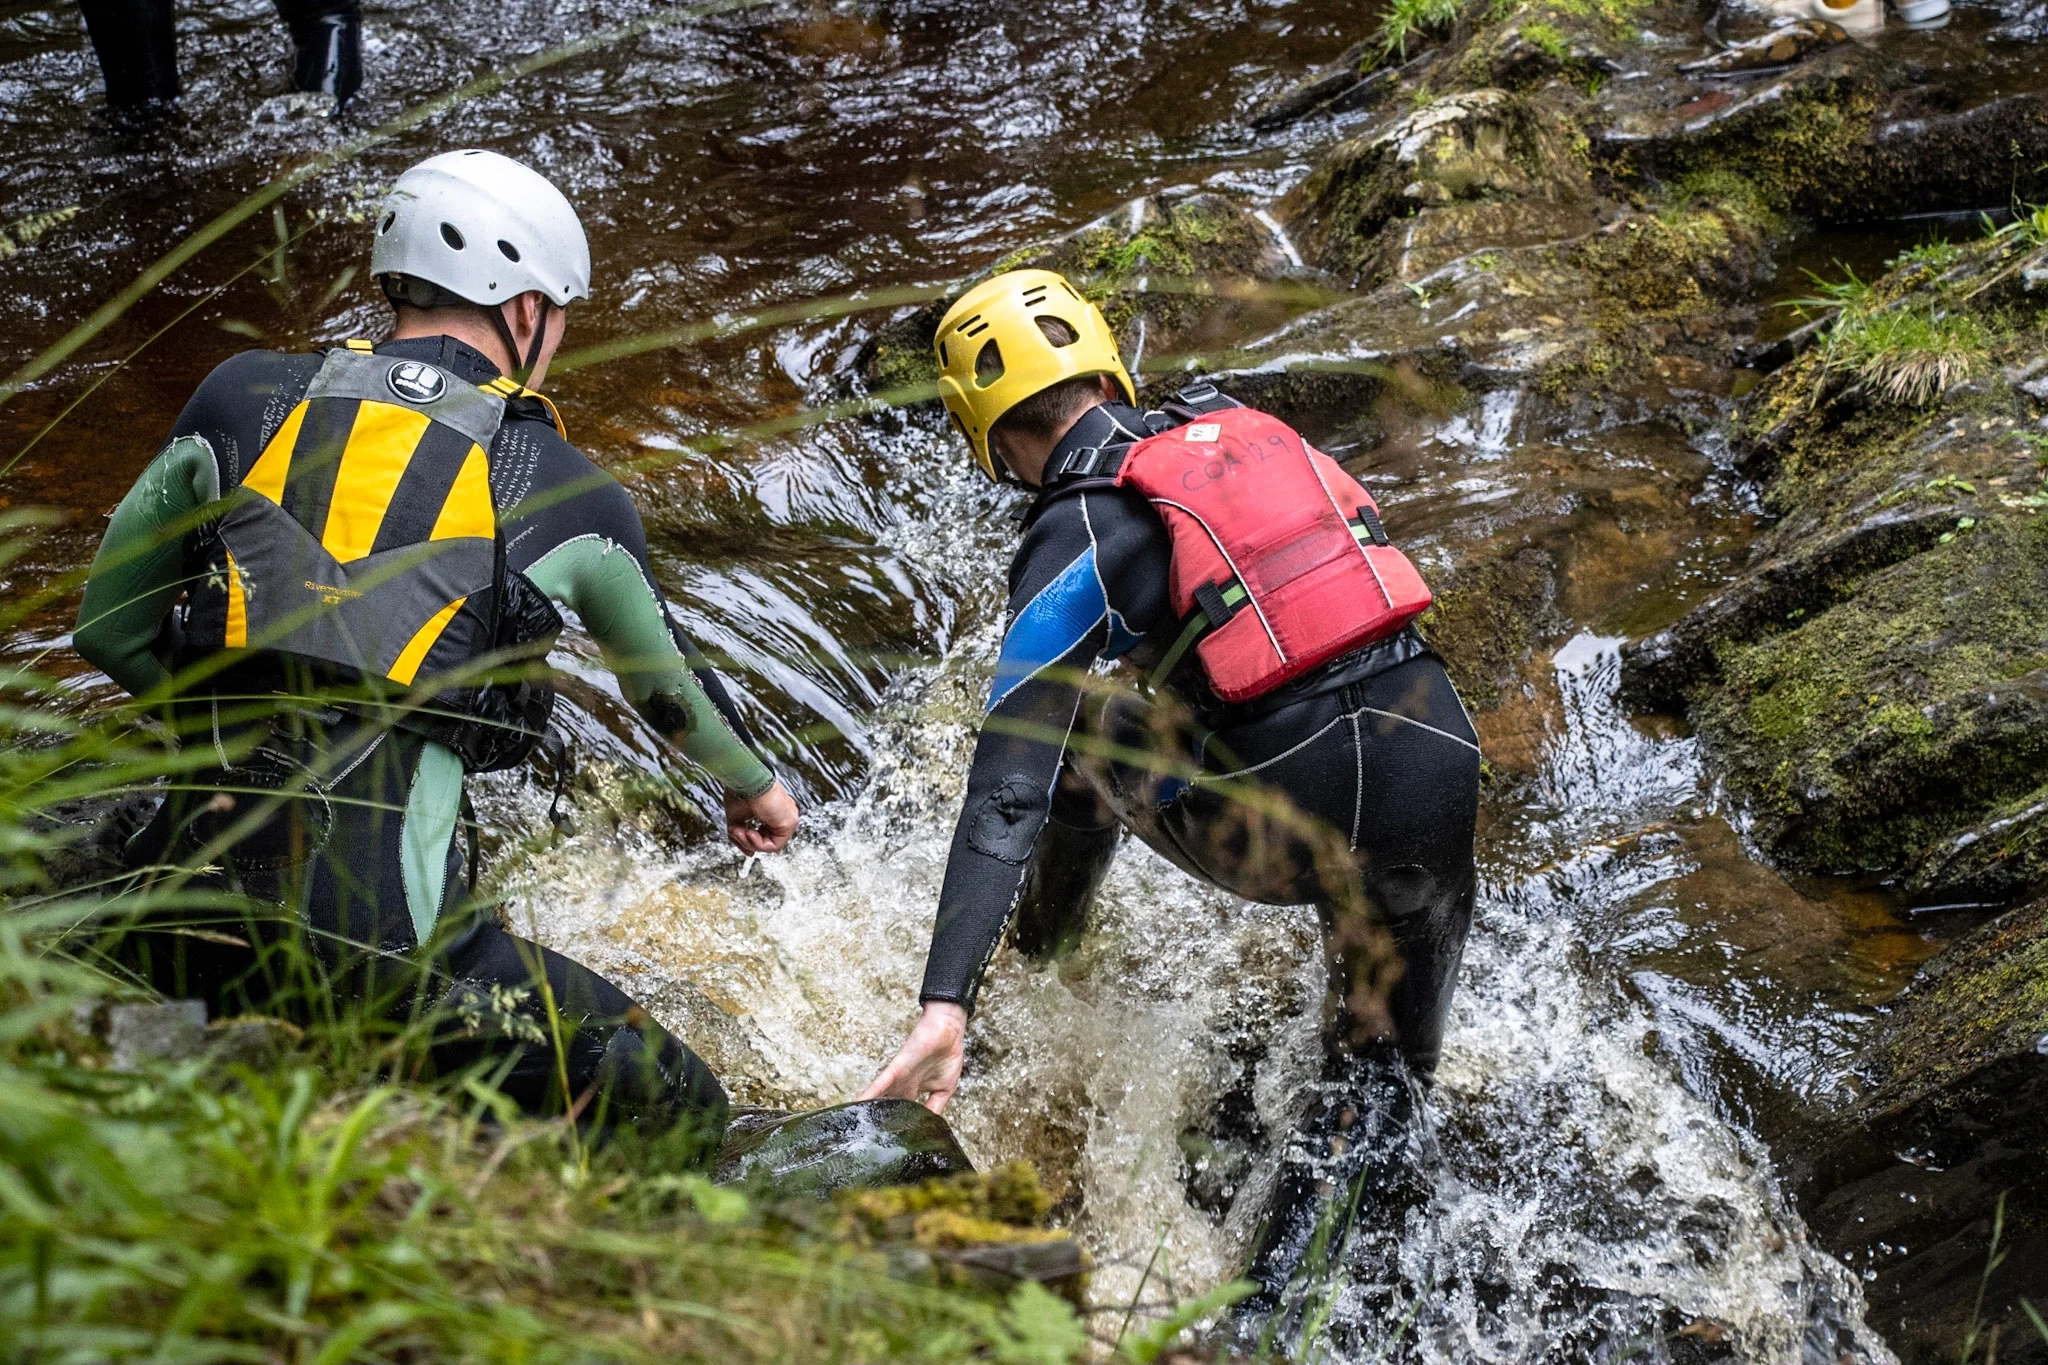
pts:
[1906, 355]
[1406, 19]
[1932, 257]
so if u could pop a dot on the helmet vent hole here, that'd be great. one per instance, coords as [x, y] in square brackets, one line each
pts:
[944, 359]
[507, 250]
[988, 364]
[385, 226]
[451, 236]
[1058, 331]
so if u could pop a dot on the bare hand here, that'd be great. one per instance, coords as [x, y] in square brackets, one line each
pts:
[760, 824]
[928, 1066]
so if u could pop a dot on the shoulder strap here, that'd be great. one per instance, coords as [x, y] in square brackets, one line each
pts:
[508, 388]
[1198, 399]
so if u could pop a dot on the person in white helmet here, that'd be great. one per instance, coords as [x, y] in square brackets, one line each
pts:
[341, 573]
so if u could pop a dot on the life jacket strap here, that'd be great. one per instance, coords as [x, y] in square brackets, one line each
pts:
[507, 387]
[1215, 603]
[1366, 526]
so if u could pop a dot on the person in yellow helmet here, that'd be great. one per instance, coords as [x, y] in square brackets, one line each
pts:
[1298, 742]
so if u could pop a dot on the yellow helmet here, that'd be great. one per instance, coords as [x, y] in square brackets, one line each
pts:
[994, 354]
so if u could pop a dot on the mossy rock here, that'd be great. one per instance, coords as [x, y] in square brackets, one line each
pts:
[1866, 733]
[1846, 136]
[1875, 688]
[979, 1231]
[1184, 271]
[1485, 145]
[1951, 1137]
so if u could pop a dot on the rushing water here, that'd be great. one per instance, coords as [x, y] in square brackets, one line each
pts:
[1642, 1007]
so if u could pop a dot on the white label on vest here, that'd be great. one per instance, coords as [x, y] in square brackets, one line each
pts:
[1205, 433]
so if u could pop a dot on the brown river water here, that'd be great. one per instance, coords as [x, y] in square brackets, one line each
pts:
[1644, 1010]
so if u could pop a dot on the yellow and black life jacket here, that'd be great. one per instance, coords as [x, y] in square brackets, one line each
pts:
[363, 544]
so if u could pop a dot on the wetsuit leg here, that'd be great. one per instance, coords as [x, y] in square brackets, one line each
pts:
[328, 36]
[1072, 856]
[1417, 766]
[623, 1067]
[136, 42]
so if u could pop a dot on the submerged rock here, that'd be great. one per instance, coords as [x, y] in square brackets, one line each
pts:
[1908, 1186]
[850, 1146]
[1774, 48]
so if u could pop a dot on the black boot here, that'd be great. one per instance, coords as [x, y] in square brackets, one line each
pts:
[329, 37]
[1348, 1179]
[137, 44]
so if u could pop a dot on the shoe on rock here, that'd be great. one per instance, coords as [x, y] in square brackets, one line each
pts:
[1858, 18]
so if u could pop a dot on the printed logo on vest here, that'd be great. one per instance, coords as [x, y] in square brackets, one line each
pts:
[1204, 433]
[416, 381]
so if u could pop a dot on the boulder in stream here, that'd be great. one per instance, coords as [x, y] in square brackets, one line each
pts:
[850, 1146]
[1948, 1145]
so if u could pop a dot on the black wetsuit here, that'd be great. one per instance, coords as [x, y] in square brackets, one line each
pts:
[362, 846]
[1354, 788]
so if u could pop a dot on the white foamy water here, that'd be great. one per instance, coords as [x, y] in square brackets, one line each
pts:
[1584, 1201]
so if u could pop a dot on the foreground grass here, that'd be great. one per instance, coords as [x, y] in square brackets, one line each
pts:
[187, 1214]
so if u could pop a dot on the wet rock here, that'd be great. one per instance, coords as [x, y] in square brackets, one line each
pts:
[1846, 136]
[1907, 1186]
[1875, 689]
[1169, 276]
[851, 1146]
[171, 1031]
[1774, 48]
[1473, 146]
[1354, 81]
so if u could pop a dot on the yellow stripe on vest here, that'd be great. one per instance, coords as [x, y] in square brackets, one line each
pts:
[237, 636]
[266, 476]
[380, 445]
[468, 511]
[415, 652]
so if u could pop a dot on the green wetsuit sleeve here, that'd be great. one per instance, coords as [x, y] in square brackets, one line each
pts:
[140, 567]
[601, 582]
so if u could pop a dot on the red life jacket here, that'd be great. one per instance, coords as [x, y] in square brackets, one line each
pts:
[1279, 559]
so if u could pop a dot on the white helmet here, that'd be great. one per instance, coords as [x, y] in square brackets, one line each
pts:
[484, 228]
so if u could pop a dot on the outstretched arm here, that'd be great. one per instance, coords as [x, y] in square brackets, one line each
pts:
[605, 584]
[139, 569]
[1060, 623]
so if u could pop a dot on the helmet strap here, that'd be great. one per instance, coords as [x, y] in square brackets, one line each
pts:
[540, 336]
